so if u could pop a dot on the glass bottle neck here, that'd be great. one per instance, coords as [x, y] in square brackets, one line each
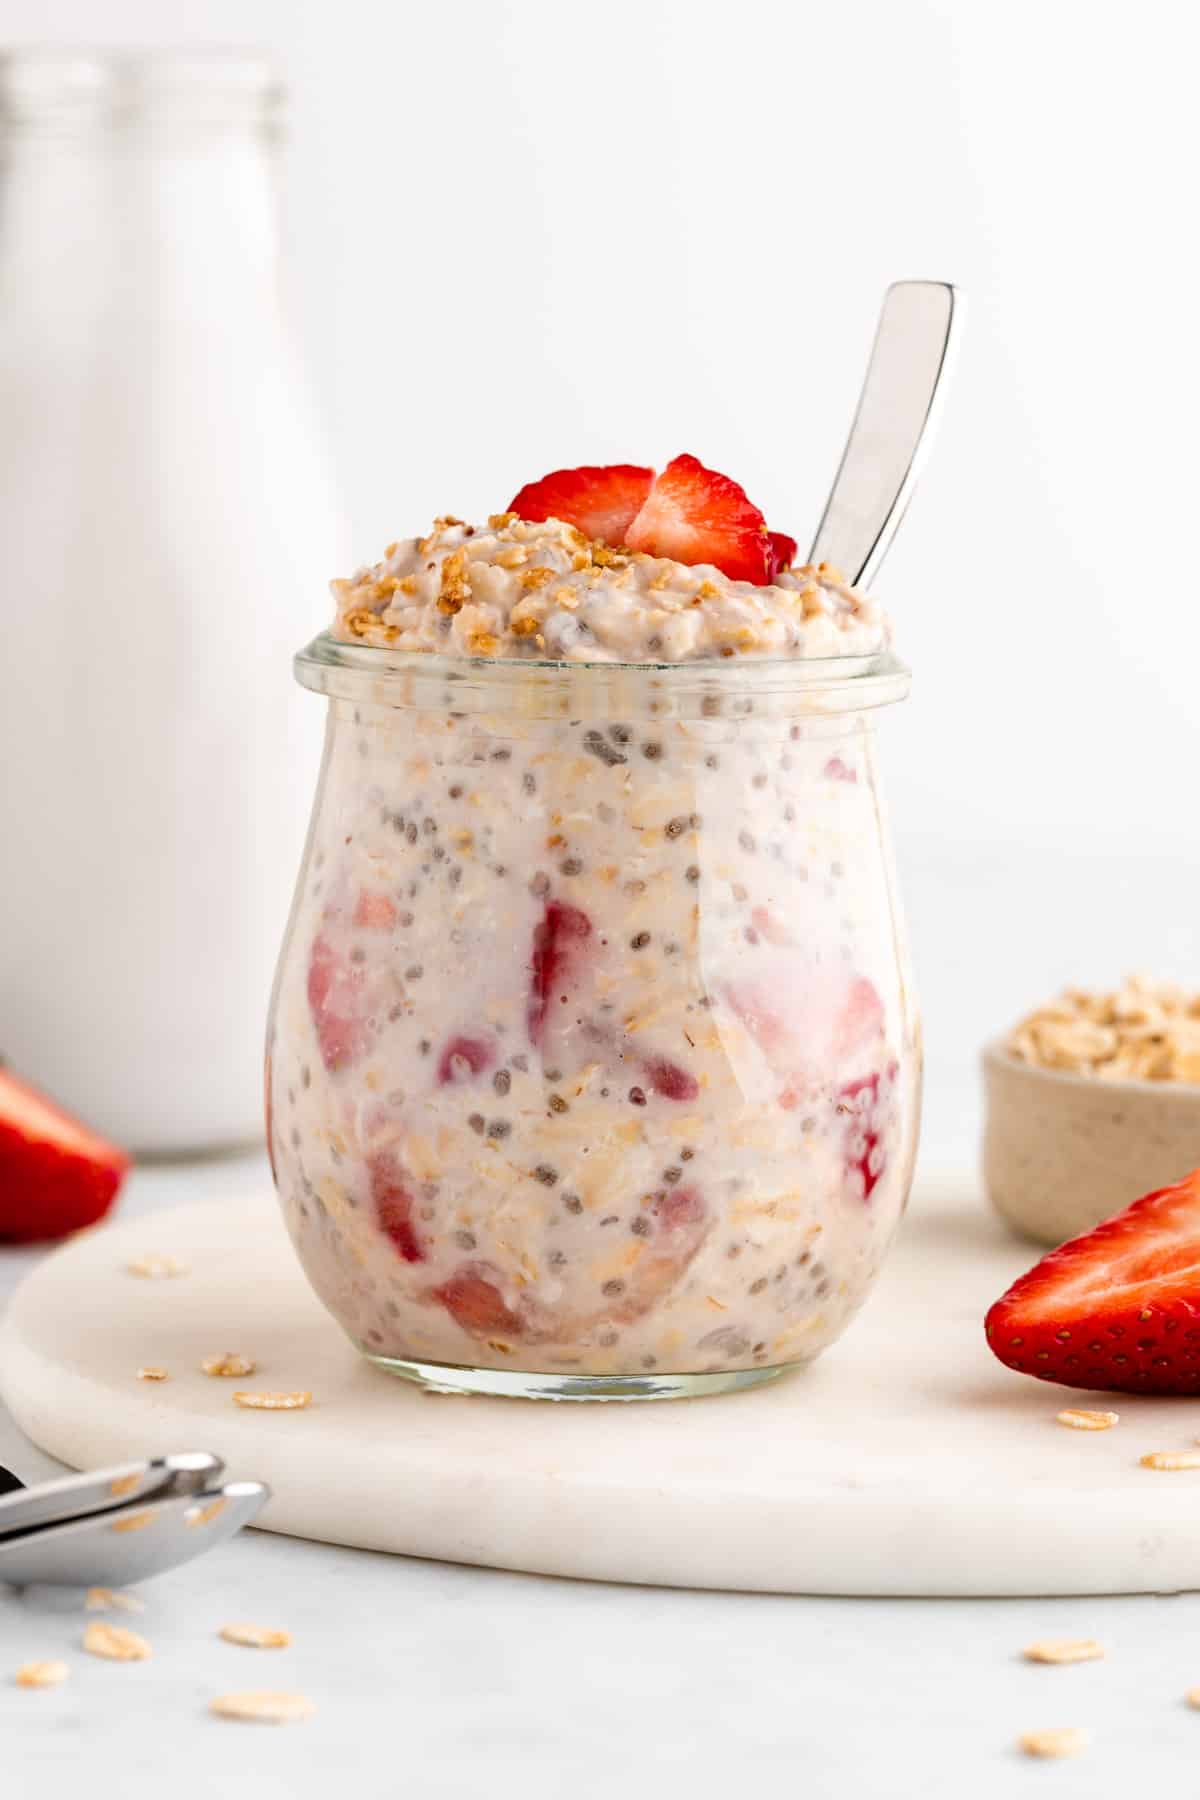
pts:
[138, 183]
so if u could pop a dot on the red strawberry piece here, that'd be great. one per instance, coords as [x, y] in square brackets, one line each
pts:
[697, 516]
[677, 1208]
[865, 1108]
[859, 1020]
[836, 770]
[477, 1304]
[559, 939]
[56, 1176]
[771, 928]
[783, 552]
[669, 1080]
[335, 1000]
[393, 1203]
[464, 1058]
[602, 503]
[374, 912]
[1117, 1308]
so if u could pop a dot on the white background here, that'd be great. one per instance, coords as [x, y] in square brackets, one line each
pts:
[528, 233]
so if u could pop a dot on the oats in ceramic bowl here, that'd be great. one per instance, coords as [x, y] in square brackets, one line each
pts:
[1092, 1100]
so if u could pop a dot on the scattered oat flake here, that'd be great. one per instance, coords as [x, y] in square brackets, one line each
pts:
[41, 1674]
[1063, 1650]
[256, 1637]
[1061, 1740]
[102, 1599]
[268, 1402]
[116, 1642]
[1172, 1459]
[1079, 1418]
[262, 1706]
[152, 1373]
[1193, 1698]
[124, 1484]
[156, 1268]
[229, 1363]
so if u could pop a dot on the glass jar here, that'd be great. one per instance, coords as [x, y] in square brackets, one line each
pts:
[163, 495]
[593, 1064]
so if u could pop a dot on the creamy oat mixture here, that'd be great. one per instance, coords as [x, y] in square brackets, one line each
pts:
[592, 1050]
[516, 589]
[1144, 1031]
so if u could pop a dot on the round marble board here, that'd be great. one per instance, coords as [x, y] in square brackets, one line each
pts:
[905, 1461]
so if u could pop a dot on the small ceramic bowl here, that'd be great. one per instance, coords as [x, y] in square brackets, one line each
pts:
[1061, 1152]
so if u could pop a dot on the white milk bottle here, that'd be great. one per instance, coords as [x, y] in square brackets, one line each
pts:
[166, 524]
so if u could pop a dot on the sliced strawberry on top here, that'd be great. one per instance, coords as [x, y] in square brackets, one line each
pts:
[600, 502]
[783, 552]
[1117, 1308]
[694, 515]
[393, 1202]
[56, 1176]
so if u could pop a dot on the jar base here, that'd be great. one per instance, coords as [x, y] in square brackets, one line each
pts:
[546, 1384]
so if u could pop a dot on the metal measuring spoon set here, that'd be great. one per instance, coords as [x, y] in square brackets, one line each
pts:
[111, 1527]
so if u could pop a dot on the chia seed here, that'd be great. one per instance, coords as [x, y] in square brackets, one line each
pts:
[498, 1128]
[613, 1288]
[573, 1203]
[652, 751]
[637, 1095]
[572, 866]
[547, 1175]
[476, 1122]
[558, 1104]
[502, 1081]
[639, 940]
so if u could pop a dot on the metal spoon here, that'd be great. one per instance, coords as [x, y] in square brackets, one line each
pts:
[118, 1526]
[919, 328]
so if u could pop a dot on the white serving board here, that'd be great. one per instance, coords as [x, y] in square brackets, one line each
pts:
[906, 1461]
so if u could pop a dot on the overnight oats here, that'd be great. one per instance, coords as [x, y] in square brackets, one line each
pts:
[593, 1064]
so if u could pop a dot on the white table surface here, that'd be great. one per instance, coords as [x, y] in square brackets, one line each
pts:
[435, 1680]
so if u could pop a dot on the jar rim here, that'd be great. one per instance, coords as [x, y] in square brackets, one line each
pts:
[372, 674]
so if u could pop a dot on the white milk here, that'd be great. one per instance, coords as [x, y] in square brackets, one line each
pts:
[166, 526]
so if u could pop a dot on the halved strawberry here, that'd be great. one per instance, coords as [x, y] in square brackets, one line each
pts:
[783, 552]
[697, 516]
[600, 502]
[475, 1302]
[56, 1176]
[559, 941]
[1117, 1308]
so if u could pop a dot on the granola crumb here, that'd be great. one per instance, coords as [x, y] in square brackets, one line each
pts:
[256, 1637]
[152, 1372]
[273, 1402]
[229, 1363]
[115, 1642]
[42, 1674]
[1172, 1459]
[102, 1599]
[1081, 1418]
[262, 1706]
[1062, 1740]
[1063, 1650]
[156, 1268]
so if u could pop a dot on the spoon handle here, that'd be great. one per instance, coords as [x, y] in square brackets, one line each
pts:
[919, 327]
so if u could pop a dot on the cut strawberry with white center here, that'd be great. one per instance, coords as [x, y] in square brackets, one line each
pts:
[600, 502]
[56, 1176]
[694, 515]
[1118, 1308]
